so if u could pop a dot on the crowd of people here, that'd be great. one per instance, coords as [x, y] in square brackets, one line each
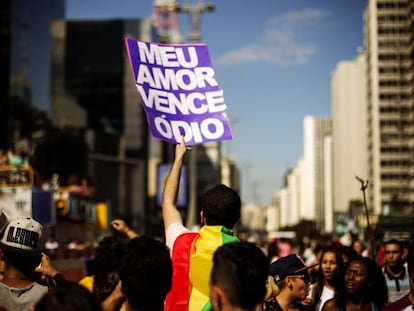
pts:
[212, 269]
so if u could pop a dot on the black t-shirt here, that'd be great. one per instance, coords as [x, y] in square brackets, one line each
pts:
[273, 305]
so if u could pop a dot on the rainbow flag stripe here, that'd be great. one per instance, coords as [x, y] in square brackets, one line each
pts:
[192, 258]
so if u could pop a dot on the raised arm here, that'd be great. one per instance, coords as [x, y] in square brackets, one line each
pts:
[121, 226]
[170, 214]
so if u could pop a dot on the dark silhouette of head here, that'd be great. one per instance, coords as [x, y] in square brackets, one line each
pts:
[108, 258]
[240, 271]
[221, 206]
[146, 273]
[68, 296]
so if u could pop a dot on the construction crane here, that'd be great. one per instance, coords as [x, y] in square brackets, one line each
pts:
[166, 22]
[194, 12]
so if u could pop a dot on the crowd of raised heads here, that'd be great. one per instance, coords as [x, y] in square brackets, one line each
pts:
[214, 268]
[133, 272]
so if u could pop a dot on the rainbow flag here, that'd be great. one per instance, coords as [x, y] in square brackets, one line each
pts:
[192, 258]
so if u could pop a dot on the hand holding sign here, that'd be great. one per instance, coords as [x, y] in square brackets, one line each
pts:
[179, 93]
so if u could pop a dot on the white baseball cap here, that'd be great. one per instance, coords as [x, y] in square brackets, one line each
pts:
[23, 235]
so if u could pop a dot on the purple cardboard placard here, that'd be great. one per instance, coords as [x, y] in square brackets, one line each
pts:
[179, 92]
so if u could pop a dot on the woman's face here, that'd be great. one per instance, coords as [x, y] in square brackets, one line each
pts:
[355, 276]
[328, 265]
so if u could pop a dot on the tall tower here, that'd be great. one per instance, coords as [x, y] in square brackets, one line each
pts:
[93, 91]
[30, 48]
[348, 104]
[389, 33]
[315, 131]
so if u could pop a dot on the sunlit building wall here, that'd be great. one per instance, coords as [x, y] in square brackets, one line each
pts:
[294, 189]
[254, 217]
[389, 45]
[272, 216]
[349, 131]
[328, 183]
[315, 129]
[300, 169]
[283, 205]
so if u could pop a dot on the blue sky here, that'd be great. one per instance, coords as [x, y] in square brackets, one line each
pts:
[273, 59]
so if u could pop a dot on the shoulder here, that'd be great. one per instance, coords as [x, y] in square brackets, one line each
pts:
[330, 304]
[173, 232]
[39, 288]
[399, 304]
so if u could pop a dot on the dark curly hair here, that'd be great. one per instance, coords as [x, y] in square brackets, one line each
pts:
[146, 273]
[375, 288]
[68, 296]
[108, 258]
[221, 206]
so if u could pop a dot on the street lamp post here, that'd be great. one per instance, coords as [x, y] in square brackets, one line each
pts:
[194, 12]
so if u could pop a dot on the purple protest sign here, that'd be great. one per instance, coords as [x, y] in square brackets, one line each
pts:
[179, 92]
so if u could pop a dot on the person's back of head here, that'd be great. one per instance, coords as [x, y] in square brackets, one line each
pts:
[146, 273]
[68, 296]
[221, 206]
[108, 258]
[238, 277]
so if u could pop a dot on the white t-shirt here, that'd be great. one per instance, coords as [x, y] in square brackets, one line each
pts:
[173, 232]
[327, 294]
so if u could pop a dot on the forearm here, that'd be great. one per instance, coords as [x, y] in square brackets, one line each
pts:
[131, 234]
[169, 210]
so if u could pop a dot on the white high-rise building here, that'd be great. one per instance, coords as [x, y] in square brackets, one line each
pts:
[349, 131]
[328, 224]
[389, 44]
[307, 194]
[315, 130]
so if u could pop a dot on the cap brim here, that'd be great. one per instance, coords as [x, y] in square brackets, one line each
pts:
[306, 268]
[8, 248]
[3, 221]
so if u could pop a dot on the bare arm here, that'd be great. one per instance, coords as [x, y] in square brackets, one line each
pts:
[170, 214]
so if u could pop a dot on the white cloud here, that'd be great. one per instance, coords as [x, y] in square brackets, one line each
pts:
[280, 44]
